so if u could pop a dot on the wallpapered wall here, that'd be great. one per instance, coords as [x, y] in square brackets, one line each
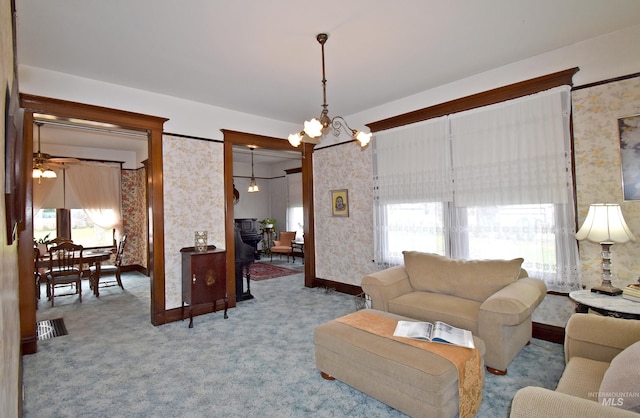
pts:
[134, 211]
[193, 201]
[10, 317]
[596, 111]
[344, 245]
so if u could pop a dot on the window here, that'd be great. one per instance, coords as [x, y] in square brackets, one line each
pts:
[295, 214]
[44, 225]
[295, 220]
[481, 232]
[82, 229]
[88, 201]
[493, 182]
[86, 233]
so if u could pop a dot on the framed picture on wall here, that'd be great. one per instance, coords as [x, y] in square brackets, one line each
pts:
[629, 129]
[340, 202]
[13, 163]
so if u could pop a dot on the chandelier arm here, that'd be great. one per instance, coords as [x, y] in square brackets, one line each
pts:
[338, 122]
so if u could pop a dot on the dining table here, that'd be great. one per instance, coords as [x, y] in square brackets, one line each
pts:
[91, 257]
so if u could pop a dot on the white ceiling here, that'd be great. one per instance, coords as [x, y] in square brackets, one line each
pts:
[262, 57]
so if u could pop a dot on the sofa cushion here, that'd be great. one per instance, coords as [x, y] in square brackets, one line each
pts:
[469, 279]
[619, 385]
[582, 377]
[430, 307]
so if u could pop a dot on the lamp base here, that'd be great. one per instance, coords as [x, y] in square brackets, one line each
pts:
[607, 289]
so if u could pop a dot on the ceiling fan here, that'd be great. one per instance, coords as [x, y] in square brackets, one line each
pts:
[43, 164]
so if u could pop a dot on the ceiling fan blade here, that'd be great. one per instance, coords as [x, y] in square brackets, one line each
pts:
[65, 160]
[53, 165]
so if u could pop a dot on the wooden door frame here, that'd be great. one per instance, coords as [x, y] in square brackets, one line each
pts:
[153, 126]
[232, 138]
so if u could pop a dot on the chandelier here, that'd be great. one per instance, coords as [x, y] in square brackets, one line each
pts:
[319, 127]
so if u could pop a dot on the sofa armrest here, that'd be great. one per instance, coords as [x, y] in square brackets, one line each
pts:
[536, 402]
[598, 337]
[382, 286]
[514, 303]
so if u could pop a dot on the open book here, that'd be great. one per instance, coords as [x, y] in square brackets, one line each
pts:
[438, 332]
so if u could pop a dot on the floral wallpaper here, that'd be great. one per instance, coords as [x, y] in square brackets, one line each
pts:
[134, 211]
[344, 245]
[596, 111]
[193, 201]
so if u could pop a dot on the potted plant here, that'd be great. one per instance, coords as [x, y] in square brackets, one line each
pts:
[267, 223]
[41, 243]
[268, 229]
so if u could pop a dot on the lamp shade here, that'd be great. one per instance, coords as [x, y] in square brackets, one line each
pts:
[605, 223]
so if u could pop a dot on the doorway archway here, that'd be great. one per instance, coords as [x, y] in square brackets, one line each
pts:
[232, 138]
[128, 120]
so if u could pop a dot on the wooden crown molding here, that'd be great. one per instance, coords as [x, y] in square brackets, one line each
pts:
[497, 95]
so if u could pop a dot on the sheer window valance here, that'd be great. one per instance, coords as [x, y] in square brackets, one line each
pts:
[94, 187]
[514, 152]
[413, 163]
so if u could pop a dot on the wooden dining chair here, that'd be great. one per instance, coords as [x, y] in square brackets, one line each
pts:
[108, 269]
[56, 241]
[65, 268]
[36, 273]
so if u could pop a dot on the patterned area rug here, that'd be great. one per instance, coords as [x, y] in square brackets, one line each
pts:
[262, 271]
[50, 328]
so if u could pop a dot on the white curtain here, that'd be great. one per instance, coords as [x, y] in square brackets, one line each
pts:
[495, 184]
[48, 193]
[294, 204]
[513, 152]
[412, 165]
[96, 189]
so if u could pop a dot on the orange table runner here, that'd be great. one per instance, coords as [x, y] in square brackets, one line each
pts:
[466, 360]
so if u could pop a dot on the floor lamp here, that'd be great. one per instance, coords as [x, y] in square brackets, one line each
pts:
[605, 225]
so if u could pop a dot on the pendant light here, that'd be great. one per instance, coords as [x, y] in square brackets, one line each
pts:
[253, 186]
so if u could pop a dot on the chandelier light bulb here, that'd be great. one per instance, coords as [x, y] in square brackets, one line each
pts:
[295, 139]
[253, 187]
[313, 128]
[363, 137]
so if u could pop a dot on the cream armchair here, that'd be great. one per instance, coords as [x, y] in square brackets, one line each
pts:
[601, 377]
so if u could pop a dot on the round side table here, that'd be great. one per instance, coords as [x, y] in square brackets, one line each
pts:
[615, 306]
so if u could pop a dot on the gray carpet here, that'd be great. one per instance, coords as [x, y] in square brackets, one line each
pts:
[257, 363]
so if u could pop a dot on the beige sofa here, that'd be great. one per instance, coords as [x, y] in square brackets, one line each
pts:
[494, 299]
[601, 377]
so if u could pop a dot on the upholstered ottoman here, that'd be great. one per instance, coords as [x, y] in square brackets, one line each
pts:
[410, 379]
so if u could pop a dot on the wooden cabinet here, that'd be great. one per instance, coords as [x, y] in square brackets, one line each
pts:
[204, 280]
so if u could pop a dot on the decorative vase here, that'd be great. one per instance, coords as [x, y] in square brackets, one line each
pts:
[201, 241]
